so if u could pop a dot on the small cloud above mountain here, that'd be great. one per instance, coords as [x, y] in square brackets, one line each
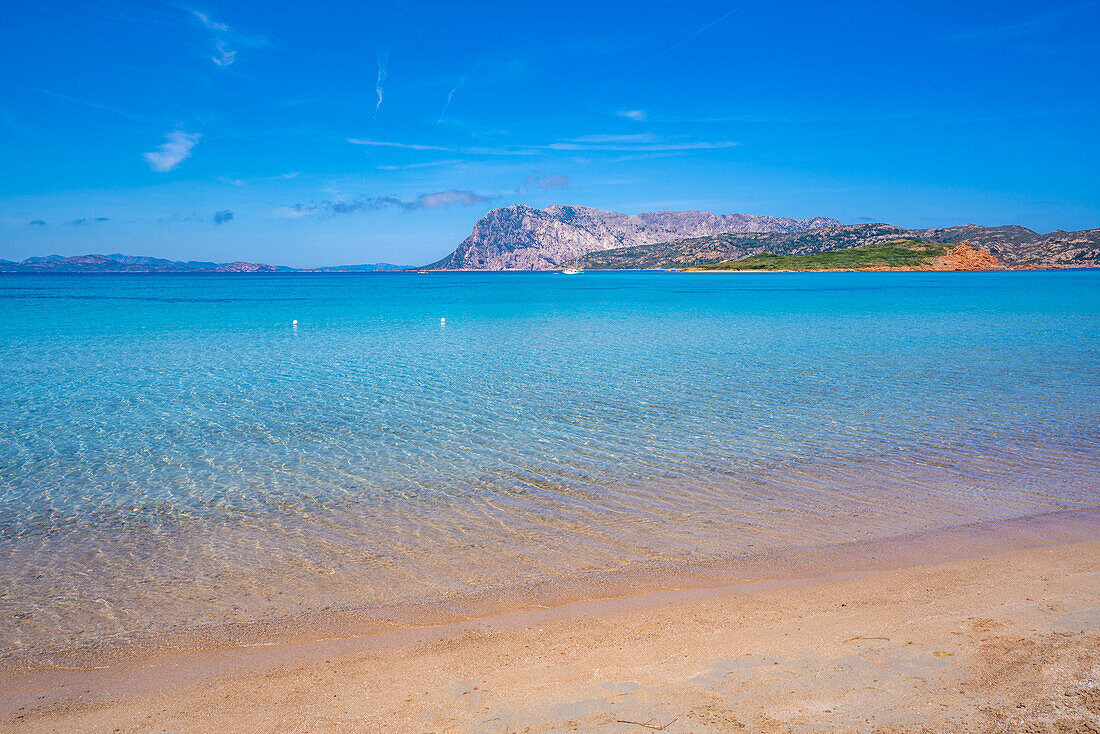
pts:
[443, 199]
[636, 115]
[545, 182]
[535, 181]
[428, 201]
[223, 216]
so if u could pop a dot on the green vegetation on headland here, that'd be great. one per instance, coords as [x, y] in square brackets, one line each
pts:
[1011, 246]
[895, 254]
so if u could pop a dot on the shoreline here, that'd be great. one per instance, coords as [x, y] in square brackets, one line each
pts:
[598, 584]
[556, 271]
[1012, 269]
[59, 698]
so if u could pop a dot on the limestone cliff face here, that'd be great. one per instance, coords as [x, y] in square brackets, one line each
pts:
[523, 238]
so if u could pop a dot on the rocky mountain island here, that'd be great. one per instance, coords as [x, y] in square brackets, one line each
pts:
[520, 237]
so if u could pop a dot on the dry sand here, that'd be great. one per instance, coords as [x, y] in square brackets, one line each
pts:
[1007, 642]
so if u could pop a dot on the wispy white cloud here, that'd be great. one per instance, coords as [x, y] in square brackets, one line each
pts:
[94, 105]
[558, 180]
[428, 201]
[1044, 22]
[679, 43]
[629, 138]
[662, 147]
[425, 164]
[174, 151]
[632, 143]
[450, 96]
[383, 72]
[205, 20]
[261, 179]
[292, 212]
[636, 115]
[642, 142]
[443, 199]
[226, 58]
[508, 150]
[225, 40]
[388, 144]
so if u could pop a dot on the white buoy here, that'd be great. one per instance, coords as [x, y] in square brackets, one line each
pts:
[442, 321]
[294, 322]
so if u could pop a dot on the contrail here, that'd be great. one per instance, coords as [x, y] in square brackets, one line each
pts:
[450, 96]
[676, 45]
[383, 64]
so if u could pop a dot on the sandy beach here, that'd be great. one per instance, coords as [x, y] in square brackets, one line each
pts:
[1009, 641]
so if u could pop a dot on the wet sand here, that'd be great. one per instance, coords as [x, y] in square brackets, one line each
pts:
[1009, 641]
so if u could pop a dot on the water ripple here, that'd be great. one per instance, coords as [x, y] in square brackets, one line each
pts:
[173, 449]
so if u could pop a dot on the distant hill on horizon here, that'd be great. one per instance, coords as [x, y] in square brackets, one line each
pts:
[119, 263]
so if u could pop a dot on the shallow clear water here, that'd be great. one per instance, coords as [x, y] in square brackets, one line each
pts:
[173, 450]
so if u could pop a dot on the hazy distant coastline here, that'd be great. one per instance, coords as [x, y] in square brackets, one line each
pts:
[523, 238]
[119, 263]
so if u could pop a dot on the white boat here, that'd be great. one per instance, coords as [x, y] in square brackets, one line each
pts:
[571, 271]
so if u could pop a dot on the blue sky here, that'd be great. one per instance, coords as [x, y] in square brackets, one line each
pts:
[326, 133]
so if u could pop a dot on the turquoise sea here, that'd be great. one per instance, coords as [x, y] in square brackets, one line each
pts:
[175, 451]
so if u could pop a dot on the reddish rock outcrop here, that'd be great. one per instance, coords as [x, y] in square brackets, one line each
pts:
[965, 256]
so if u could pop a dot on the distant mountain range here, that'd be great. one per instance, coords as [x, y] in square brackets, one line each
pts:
[523, 238]
[1013, 245]
[118, 263]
